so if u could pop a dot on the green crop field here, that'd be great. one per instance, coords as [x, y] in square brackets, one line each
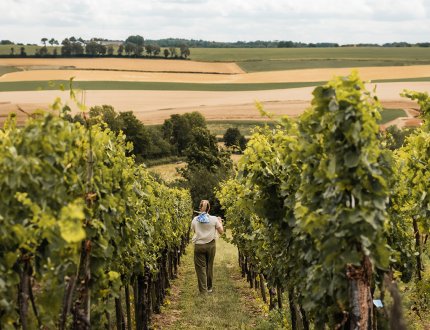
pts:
[30, 50]
[166, 86]
[277, 65]
[131, 85]
[272, 59]
[357, 53]
[219, 127]
[388, 115]
[7, 69]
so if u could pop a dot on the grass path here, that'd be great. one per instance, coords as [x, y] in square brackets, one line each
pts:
[231, 306]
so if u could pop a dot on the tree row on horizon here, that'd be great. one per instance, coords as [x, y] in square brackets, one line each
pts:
[134, 46]
[194, 43]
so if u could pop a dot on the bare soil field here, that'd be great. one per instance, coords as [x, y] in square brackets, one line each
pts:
[121, 64]
[205, 73]
[153, 107]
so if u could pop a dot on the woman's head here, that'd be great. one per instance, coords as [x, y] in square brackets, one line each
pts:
[205, 206]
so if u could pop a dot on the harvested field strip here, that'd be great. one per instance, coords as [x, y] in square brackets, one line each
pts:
[123, 64]
[145, 71]
[166, 86]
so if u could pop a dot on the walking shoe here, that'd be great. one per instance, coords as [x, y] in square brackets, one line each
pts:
[210, 290]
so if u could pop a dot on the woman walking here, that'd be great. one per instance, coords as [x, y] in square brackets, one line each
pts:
[205, 227]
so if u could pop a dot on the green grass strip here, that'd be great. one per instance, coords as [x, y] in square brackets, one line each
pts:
[8, 69]
[159, 86]
[230, 306]
[278, 65]
[219, 127]
[388, 115]
[167, 86]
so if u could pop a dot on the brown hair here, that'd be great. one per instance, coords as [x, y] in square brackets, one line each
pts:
[205, 206]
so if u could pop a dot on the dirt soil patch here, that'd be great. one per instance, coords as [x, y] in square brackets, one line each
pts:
[122, 64]
[200, 72]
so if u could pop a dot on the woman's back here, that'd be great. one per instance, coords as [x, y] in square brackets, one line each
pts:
[204, 231]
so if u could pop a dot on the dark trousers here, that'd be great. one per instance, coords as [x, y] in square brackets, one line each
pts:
[204, 255]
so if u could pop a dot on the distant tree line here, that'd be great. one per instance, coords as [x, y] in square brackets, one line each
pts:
[133, 46]
[291, 44]
[177, 47]
[193, 43]
[390, 44]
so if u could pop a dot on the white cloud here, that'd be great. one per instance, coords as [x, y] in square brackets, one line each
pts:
[342, 21]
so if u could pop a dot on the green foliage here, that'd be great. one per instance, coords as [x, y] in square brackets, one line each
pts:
[207, 166]
[185, 51]
[46, 211]
[71, 47]
[394, 138]
[310, 200]
[136, 40]
[148, 142]
[178, 129]
[202, 150]
[423, 100]
[411, 212]
[233, 138]
[136, 133]
[420, 295]
[202, 184]
[276, 320]
[94, 48]
[343, 192]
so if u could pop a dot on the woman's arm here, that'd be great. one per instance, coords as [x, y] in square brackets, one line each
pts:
[219, 227]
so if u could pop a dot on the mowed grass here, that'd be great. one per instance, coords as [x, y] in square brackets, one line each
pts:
[8, 69]
[351, 53]
[246, 127]
[168, 172]
[388, 115]
[132, 85]
[167, 86]
[230, 306]
[271, 59]
[276, 65]
[219, 127]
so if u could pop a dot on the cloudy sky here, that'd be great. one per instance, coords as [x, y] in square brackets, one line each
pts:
[342, 21]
